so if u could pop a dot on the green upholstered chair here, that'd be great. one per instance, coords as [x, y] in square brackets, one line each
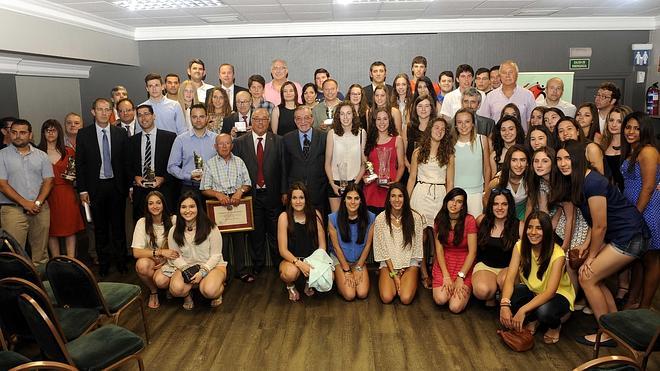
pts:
[16, 265]
[105, 348]
[637, 330]
[75, 321]
[13, 361]
[74, 286]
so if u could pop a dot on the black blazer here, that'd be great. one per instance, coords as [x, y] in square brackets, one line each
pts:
[88, 160]
[236, 90]
[164, 141]
[229, 122]
[274, 165]
[310, 171]
[369, 92]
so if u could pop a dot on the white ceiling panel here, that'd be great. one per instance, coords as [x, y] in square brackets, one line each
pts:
[493, 12]
[405, 6]
[93, 7]
[454, 5]
[504, 4]
[307, 17]
[178, 20]
[258, 8]
[250, 2]
[307, 8]
[266, 17]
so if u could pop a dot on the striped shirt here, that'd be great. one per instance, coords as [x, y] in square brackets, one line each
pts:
[225, 176]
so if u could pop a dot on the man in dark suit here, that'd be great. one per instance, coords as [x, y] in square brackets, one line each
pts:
[226, 73]
[101, 175]
[471, 99]
[148, 151]
[305, 158]
[266, 166]
[239, 122]
[377, 75]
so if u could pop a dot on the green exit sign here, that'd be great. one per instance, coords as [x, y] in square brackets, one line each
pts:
[579, 63]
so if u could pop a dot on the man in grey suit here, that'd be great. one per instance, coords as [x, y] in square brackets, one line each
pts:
[305, 158]
[471, 99]
[263, 154]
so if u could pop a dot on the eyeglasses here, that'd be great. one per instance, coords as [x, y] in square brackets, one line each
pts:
[601, 96]
[500, 191]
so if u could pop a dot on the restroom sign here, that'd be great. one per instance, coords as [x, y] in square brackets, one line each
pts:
[641, 54]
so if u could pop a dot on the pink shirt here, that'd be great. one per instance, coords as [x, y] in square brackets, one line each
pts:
[496, 100]
[273, 95]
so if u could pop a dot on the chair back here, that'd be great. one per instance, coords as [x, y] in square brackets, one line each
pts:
[12, 322]
[50, 340]
[9, 244]
[17, 286]
[15, 265]
[73, 284]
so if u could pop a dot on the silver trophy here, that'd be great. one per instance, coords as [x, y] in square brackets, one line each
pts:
[384, 165]
[371, 174]
[327, 123]
[342, 168]
[199, 164]
[149, 180]
[70, 172]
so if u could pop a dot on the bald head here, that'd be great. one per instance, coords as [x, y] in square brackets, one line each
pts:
[554, 89]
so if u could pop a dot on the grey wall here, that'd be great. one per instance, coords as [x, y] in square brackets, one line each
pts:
[8, 99]
[348, 57]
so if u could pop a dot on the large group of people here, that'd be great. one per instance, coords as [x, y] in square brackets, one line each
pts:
[473, 188]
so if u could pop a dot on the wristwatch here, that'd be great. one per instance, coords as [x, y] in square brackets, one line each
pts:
[38, 203]
[461, 274]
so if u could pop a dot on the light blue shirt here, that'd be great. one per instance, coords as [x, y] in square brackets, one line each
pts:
[99, 138]
[301, 137]
[181, 162]
[225, 176]
[24, 173]
[169, 115]
[143, 147]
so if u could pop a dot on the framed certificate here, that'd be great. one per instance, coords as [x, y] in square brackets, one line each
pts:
[237, 218]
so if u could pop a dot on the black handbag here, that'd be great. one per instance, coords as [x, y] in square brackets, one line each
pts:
[189, 273]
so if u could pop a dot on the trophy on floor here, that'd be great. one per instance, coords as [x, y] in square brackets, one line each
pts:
[384, 166]
[199, 165]
[371, 174]
[342, 168]
[149, 180]
[70, 172]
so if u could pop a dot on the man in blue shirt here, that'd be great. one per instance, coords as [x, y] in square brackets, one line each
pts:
[169, 114]
[26, 179]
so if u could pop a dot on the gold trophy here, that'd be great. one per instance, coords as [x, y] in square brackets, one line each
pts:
[149, 180]
[199, 165]
[70, 172]
[371, 174]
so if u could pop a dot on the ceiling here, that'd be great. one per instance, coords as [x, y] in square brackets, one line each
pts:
[280, 11]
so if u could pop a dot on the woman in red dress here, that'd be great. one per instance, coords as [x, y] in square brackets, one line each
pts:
[65, 218]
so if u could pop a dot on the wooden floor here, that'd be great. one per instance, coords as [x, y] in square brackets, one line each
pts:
[257, 328]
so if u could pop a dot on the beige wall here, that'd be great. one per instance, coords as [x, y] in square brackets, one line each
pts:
[32, 35]
[42, 98]
[653, 75]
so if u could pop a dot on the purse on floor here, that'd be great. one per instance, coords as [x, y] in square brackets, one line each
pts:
[518, 341]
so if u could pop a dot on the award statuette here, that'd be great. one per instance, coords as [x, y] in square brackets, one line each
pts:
[70, 172]
[371, 174]
[149, 180]
[342, 168]
[384, 166]
[327, 123]
[199, 164]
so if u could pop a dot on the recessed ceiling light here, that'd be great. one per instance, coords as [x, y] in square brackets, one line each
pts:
[166, 4]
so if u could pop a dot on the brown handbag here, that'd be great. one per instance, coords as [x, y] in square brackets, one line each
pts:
[518, 341]
[575, 260]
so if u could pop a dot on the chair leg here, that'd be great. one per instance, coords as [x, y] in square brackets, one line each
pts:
[144, 319]
[597, 342]
[140, 363]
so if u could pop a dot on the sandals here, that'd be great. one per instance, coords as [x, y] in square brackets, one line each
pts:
[293, 293]
[153, 300]
[532, 327]
[216, 302]
[308, 290]
[426, 282]
[550, 339]
[188, 303]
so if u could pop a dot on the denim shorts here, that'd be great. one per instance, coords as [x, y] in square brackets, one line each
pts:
[636, 247]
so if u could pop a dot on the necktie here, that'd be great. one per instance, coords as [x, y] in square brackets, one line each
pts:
[245, 120]
[261, 182]
[306, 146]
[147, 155]
[107, 160]
[128, 129]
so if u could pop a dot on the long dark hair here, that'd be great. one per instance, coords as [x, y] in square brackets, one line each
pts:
[510, 232]
[571, 120]
[646, 137]
[506, 166]
[594, 127]
[364, 106]
[445, 147]
[203, 223]
[336, 121]
[363, 216]
[429, 86]
[407, 218]
[59, 143]
[295, 94]
[443, 223]
[225, 110]
[310, 213]
[498, 142]
[149, 219]
[557, 183]
[549, 142]
[515, 109]
[579, 166]
[414, 118]
[372, 130]
[547, 246]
